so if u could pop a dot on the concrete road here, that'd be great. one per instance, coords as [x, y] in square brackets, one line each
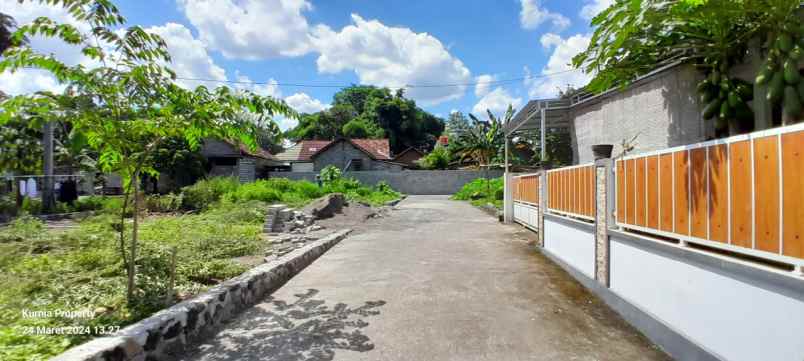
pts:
[435, 280]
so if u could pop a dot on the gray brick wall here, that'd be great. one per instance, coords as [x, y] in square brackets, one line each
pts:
[341, 153]
[663, 111]
[408, 181]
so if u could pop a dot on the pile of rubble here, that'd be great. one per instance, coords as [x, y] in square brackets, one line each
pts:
[287, 229]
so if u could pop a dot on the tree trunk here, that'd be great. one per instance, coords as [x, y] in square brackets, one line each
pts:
[134, 232]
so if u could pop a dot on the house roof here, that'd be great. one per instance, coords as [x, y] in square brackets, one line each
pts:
[302, 151]
[410, 149]
[306, 150]
[258, 153]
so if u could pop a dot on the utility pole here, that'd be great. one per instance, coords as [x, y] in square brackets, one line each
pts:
[48, 202]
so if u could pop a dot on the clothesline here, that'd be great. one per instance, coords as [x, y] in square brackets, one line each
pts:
[43, 176]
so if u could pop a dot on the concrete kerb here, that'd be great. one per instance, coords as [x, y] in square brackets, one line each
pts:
[166, 334]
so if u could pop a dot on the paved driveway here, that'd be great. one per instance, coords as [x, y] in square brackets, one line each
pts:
[436, 280]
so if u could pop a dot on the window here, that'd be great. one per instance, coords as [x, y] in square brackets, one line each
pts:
[357, 164]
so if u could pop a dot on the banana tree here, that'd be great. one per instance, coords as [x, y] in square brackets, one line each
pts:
[484, 141]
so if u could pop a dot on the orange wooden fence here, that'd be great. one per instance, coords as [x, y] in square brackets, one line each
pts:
[526, 189]
[744, 193]
[571, 191]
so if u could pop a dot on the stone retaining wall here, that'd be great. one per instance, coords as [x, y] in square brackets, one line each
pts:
[166, 334]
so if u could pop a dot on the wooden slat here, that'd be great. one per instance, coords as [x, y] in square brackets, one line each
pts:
[641, 192]
[630, 182]
[766, 195]
[681, 199]
[718, 193]
[699, 197]
[590, 189]
[584, 192]
[666, 192]
[653, 193]
[740, 173]
[793, 194]
[621, 191]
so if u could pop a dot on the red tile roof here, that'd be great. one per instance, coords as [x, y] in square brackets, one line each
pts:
[378, 149]
[259, 152]
[305, 150]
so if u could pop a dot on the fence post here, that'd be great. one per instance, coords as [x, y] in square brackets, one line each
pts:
[508, 198]
[542, 205]
[604, 205]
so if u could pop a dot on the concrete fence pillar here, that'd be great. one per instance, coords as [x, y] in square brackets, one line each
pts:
[604, 190]
[542, 205]
[508, 198]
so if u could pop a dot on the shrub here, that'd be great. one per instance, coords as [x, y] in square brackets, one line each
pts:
[206, 192]
[330, 174]
[437, 159]
[480, 192]
[261, 190]
[167, 203]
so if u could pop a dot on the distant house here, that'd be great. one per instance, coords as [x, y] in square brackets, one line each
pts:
[409, 157]
[299, 156]
[227, 159]
[346, 154]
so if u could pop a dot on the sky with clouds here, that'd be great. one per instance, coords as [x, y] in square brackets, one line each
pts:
[274, 47]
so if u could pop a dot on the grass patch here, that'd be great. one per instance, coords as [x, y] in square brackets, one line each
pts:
[480, 192]
[81, 269]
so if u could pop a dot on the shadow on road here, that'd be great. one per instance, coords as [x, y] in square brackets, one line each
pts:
[304, 330]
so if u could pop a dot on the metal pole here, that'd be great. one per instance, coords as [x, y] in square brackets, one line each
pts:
[542, 131]
[47, 182]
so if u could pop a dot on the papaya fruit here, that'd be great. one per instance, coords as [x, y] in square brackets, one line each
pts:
[796, 53]
[711, 109]
[725, 111]
[784, 42]
[765, 75]
[791, 74]
[792, 102]
[734, 99]
[776, 87]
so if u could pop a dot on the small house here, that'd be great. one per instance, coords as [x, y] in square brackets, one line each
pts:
[343, 153]
[230, 159]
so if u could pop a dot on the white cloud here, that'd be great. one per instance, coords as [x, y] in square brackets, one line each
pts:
[304, 103]
[483, 85]
[497, 101]
[560, 61]
[32, 80]
[532, 15]
[251, 29]
[594, 7]
[189, 55]
[392, 57]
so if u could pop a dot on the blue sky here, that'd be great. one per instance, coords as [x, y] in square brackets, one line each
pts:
[339, 42]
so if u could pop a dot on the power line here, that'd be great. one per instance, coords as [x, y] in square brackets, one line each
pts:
[444, 85]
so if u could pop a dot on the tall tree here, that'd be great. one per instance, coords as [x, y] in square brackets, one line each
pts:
[457, 125]
[129, 105]
[368, 111]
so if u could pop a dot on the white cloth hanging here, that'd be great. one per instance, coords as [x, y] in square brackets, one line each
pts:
[22, 187]
[30, 188]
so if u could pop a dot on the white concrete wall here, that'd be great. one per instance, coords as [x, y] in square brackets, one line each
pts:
[736, 317]
[526, 215]
[574, 245]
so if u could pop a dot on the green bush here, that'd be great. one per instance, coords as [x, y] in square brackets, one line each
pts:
[437, 159]
[206, 192]
[481, 192]
[330, 174]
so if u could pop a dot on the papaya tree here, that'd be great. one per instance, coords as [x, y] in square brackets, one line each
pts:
[633, 37]
[129, 104]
